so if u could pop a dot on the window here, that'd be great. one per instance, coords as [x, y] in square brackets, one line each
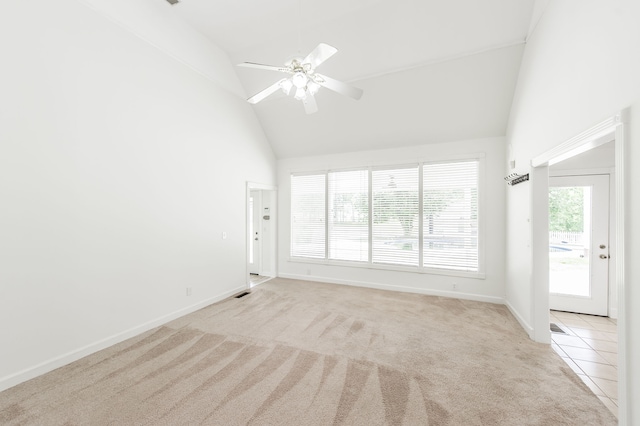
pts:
[349, 215]
[395, 216]
[308, 216]
[424, 217]
[450, 215]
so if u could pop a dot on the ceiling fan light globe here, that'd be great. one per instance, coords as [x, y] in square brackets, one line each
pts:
[313, 87]
[286, 86]
[299, 79]
[301, 93]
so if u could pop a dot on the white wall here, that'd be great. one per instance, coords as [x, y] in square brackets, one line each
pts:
[580, 67]
[156, 23]
[120, 167]
[491, 288]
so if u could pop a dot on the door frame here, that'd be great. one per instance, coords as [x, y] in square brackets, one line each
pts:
[611, 172]
[598, 300]
[271, 266]
[612, 128]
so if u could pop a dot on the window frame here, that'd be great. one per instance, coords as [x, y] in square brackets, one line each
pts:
[479, 274]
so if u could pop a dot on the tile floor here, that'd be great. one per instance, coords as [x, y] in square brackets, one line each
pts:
[254, 280]
[590, 347]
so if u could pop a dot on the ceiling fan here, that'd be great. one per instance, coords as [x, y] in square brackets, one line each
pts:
[304, 79]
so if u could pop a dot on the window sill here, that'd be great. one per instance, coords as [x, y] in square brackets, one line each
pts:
[387, 267]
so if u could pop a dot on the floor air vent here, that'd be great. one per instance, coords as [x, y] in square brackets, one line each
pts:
[554, 328]
[243, 294]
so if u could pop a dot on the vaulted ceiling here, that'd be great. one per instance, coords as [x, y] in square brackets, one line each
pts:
[432, 71]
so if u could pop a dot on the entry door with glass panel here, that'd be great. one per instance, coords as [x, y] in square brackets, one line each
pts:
[579, 244]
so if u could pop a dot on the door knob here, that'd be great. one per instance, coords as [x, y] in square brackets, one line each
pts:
[602, 246]
[256, 238]
[604, 256]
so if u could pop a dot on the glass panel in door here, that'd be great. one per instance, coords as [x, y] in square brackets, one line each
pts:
[570, 240]
[579, 244]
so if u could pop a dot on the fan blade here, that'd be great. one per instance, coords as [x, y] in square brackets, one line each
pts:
[338, 86]
[266, 92]
[321, 53]
[310, 105]
[264, 67]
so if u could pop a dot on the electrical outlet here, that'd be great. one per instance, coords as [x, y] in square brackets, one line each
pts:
[224, 235]
[188, 291]
[454, 286]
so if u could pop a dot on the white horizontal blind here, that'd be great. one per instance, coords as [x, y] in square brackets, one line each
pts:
[349, 215]
[395, 216]
[450, 215]
[308, 215]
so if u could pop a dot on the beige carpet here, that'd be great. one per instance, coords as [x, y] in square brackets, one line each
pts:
[299, 353]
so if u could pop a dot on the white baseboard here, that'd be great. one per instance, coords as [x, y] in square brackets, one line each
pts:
[524, 324]
[613, 313]
[64, 359]
[429, 292]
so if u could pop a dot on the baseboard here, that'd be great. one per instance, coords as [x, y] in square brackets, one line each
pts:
[62, 360]
[524, 324]
[613, 313]
[453, 294]
[404, 289]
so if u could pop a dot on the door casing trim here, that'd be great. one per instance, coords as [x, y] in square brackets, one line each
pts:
[603, 132]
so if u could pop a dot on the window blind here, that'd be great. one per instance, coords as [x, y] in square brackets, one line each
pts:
[395, 216]
[450, 215]
[377, 216]
[308, 215]
[349, 215]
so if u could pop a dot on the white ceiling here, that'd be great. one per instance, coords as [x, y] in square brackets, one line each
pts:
[431, 70]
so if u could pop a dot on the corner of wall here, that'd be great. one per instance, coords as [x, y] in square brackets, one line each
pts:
[523, 323]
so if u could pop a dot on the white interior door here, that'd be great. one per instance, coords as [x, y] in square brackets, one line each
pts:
[255, 246]
[579, 244]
